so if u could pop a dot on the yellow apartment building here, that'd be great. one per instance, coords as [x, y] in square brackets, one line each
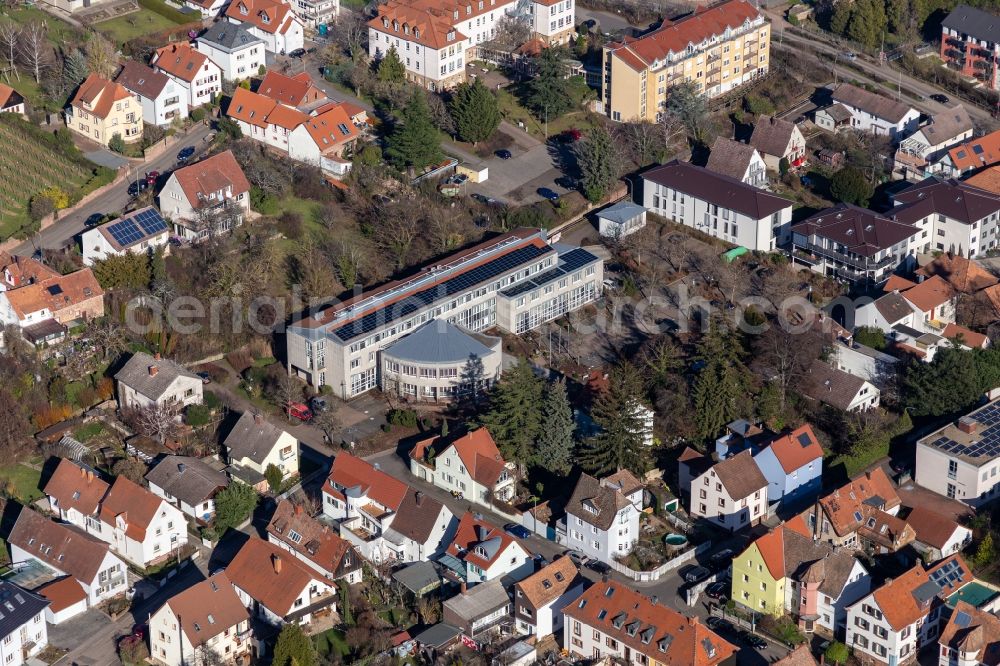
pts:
[719, 48]
[101, 108]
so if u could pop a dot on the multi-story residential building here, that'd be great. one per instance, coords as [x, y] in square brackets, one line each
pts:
[601, 522]
[478, 612]
[869, 112]
[276, 587]
[272, 21]
[238, 54]
[263, 119]
[776, 139]
[92, 572]
[481, 551]
[553, 21]
[324, 139]
[100, 109]
[381, 516]
[962, 459]
[967, 157]
[970, 44]
[138, 232]
[718, 48]
[313, 542]
[44, 308]
[731, 494]
[151, 380]
[969, 638]
[516, 282]
[961, 219]
[540, 598]
[162, 99]
[440, 362]
[612, 620]
[938, 536]
[717, 205]
[738, 160]
[23, 633]
[838, 388]
[209, 197]
[141, 527]
[254, 444]
[856, 244]
[75, 492]
[435, 39]
[316, 13]
[851, 516]
[792, 465]
[786, 571]
[197, 76]
[206, 623]
[925, 147]
[470, 465]
[188, 483]
[891, 624]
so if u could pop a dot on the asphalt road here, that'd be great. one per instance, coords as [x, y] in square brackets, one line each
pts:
[63, 232]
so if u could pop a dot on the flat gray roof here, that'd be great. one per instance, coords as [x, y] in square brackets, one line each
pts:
[440, 341]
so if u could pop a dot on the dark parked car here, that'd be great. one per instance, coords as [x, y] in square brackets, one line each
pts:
[485, 200]
[94, 220]
[723, 557]
[717, 591]
[296, 53]
[138, 186]
[696, 574]
[318, 404]
[753, 640]
[718, 624]
[205, 377]
[598, 566]
[515, 530]
[504, 154]
[185, 154]
[939, 98]
[547, 193]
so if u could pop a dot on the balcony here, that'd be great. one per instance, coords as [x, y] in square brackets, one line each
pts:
[854, 262]
[355, 527]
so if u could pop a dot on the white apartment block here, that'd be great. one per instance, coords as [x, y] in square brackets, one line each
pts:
[600, 521]
[239, 54]
[717, 205]
[515, 282]
[957, 218]
[553, 21]
[314, 13]
[962, 460]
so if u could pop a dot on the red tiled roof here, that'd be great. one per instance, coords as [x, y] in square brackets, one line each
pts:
[896, 599]
[62, 593]
[842, 504]
[297, 90]
[472, 532]
[208, 608]
[349, 471]
[56, 293]
[772, 551]
[932, 528]
[270, 575]
[181, 60]
[797, 448]
[962, 273]
[976, 153]
[9, 97]
[331, 128]
[897, 283]
[74, 487]
[272, 16]
[286, 117]
[250, 107]
[929, 294]
[100, 94]
[210, 176]
[969, 338]
[630, 617]
[427, 27]
[23, 270]
[317, 542]
[480, 455]
[136, 505]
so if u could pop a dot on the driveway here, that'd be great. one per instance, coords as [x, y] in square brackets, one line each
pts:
[106, 158]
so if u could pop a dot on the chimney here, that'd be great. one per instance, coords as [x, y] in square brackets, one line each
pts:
[298, 509]
[153, 370]
[276, 563]
[654, 600]
[90, 475]
[418, 497]
[463, 587]
[605, 578]
[967, 425]
[868, 475]
[157, 356]
[83, 473]
[181, 467]
[256, 417]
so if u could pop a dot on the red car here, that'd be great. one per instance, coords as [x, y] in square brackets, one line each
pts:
[151, 177]
[300, 411]
[572, 135]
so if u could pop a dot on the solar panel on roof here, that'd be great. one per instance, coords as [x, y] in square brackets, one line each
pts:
[804, 439]
[962, 619]
[136, 227]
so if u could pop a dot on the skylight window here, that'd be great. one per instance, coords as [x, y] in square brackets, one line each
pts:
[294, 536]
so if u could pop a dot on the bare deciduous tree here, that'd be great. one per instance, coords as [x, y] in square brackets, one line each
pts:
[397, 227]
[34, 48]
[158, 422]
[10, 36]
[102, 57]
[645, 140]
[509, 33]
[783, 356]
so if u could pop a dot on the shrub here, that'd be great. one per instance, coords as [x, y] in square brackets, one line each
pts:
[117, 143]
[273, 476]
[59, 198]
[40, 206]
[290, 225]
[870, 336]
[133, 650]
[405, 418]
[197, 114]
[197, 415]
[262, 202]
[211, 400]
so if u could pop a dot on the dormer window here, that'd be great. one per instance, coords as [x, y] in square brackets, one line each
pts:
[264, 17]
[385, 22]
[244, 10]
[451, 35]
[454, 14]
[416, 33]
[406, 28]
[395, 26]
[468, 9]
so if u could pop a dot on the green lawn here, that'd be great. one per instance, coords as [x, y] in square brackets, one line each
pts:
[89, 431]
[331, 641]
[123, 28]
[25, 481]
[513, 112]
[59, 33]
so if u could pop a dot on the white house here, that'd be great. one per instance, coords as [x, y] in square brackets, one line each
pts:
[873, 113]
[263, 119]
[470, 465]
[254, 444]
[540, 598]
[792, 465]
[141, 527]
[208, 197]
[890, 624]
[197, 76]
[959, 460]
[314, 13]
[75, 493]
[23, 633]
[205, 621]
[839, 389]
[620, 220]
[738, 160]
[776, 139]
[238, 54]
[206, 8]
[150, 380]
[481, 551]
[930, 142]
[601, 522]
[731, 493]
[717, 205]
[80, 561]
[140, 231]
[162, 98]
[382, 516]
[960, 219]
[322, 139]
[273, 21]
[11, 101]
[553, 21]
[313, 543]
[276, 587]
[969, 638]
[188, 483]
[937, 535]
